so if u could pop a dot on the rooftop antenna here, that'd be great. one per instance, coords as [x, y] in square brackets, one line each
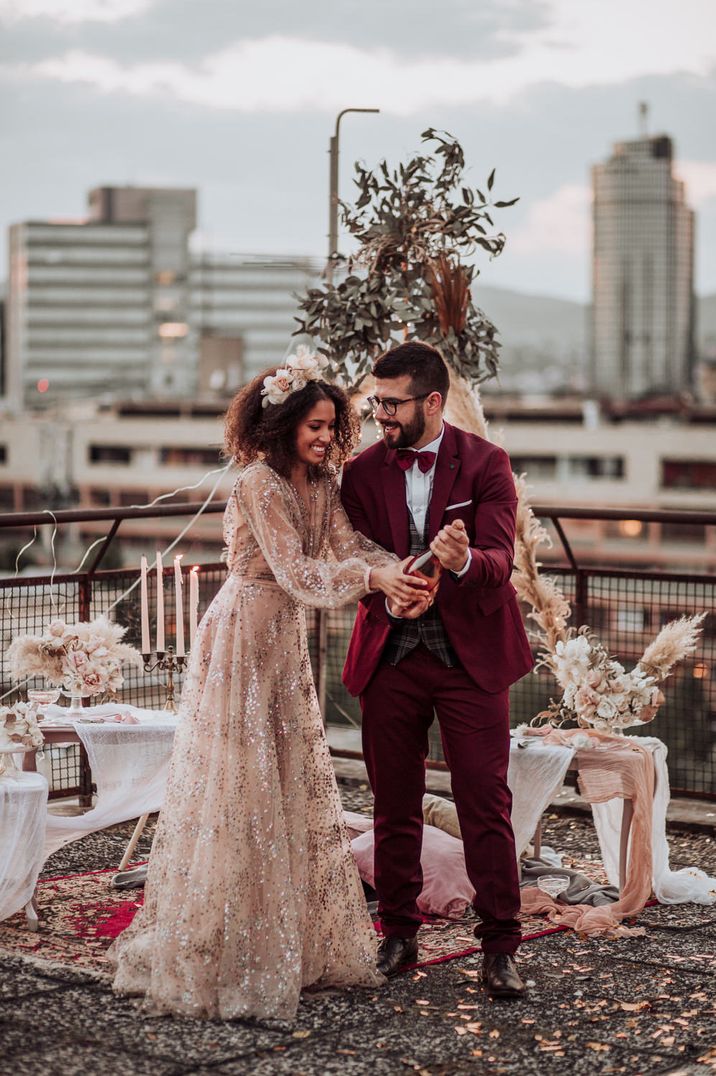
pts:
[643, 119]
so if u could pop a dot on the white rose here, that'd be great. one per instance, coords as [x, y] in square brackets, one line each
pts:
[278, 387]
[606, 709]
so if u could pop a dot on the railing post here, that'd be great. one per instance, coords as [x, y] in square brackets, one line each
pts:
[581, 597]
[84, 597]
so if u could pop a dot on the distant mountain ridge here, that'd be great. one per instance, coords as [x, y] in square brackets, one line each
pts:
[545, 341]
[544, 322]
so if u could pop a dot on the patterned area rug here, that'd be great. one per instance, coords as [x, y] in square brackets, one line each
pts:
[80, 916]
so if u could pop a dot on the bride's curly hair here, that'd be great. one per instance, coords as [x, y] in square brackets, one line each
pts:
[252, 431]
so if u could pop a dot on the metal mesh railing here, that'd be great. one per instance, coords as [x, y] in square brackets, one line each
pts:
[625, 609]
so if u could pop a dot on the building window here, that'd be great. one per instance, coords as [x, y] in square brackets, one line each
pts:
[129, 497]
[691, 533]
[3, 453]
[110, 454]
[688, 474]
[626, 528]
[7, 499]
[535, 466]
[595, 466]
[32, 499]
[99, 497]
[188, 457]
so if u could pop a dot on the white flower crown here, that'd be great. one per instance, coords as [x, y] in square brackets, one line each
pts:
[293, 376]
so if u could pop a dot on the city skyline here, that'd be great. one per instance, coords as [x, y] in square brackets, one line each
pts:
[241, 105]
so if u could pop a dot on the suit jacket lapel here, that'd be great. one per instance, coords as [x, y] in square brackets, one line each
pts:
[447, 468]
[393, 480]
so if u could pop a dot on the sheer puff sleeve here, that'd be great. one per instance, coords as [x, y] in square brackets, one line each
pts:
[347, 542]
[262, 498]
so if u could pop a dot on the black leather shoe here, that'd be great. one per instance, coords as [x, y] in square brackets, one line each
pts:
[395, 953]
[500, 975]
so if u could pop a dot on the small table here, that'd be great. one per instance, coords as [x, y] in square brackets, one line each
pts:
[23, 809]
[129, 762]
[60, 735]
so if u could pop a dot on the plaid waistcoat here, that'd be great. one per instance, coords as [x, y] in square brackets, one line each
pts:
[427, 629]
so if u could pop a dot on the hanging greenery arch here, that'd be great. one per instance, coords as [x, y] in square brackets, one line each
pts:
[415, 226]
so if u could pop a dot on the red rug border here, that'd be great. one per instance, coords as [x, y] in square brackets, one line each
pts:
[87, 874]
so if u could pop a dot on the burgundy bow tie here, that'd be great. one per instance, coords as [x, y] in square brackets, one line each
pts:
[406, 457]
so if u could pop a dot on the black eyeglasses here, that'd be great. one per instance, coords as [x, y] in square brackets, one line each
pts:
[391, 406]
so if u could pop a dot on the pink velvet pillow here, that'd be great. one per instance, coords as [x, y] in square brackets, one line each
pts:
[446, 886]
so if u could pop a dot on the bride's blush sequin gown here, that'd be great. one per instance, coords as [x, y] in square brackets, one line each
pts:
[252, 892]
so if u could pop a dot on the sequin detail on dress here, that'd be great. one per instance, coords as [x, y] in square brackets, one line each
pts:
[253, 893]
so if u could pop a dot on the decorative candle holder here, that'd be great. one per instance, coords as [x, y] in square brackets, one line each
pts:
[169, 663]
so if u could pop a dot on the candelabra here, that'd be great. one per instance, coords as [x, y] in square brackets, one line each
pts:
[169, 663]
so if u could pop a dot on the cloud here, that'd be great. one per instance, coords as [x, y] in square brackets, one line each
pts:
[558, 224]
[72, 11]
[700, 180]
[176, 29]
[292, 72]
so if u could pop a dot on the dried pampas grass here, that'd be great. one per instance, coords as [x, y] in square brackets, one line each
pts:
[550, 608]
[676, 641]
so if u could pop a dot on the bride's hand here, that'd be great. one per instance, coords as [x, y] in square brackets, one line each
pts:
[399, 587]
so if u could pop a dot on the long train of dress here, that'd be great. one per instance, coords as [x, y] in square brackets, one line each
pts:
[252, 892]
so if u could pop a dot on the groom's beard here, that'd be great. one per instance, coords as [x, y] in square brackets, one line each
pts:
[404, 434]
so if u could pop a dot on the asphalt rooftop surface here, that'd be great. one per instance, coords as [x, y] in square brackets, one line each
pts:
[640, 1005]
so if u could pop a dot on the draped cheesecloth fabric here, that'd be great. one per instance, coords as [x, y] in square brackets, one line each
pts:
[23, 810]
[613, 768]
[253, 892]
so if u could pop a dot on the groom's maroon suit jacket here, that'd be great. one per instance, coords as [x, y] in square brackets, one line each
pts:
[479, 611]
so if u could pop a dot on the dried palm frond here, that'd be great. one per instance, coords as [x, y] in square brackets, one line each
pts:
[550, 608]
[676, 641]
[450, 285]
[464, 407]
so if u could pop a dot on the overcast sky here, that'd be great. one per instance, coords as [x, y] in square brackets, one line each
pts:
[238, 99]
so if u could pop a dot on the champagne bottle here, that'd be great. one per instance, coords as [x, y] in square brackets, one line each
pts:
[428, 567]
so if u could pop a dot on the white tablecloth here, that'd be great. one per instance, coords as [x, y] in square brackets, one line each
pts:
[129, 766]
[23, 813]
[536, 774]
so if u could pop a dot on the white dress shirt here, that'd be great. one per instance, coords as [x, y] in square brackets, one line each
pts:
[419, 485]
[418, 491]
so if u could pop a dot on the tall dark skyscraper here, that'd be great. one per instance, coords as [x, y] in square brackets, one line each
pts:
[642, 272]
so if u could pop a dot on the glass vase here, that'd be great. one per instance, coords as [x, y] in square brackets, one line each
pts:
[75, 709]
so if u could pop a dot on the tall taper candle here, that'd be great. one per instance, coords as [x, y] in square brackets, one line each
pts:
[179, 607]
[144, 606]
[193, 603]
[160, 604]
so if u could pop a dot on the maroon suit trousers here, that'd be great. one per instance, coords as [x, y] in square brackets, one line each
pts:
[398, 706]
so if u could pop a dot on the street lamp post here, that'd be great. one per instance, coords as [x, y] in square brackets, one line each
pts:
[333, 189]
[332, 251]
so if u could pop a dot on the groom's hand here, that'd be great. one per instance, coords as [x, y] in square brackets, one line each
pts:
[411, 610]
[450, 545]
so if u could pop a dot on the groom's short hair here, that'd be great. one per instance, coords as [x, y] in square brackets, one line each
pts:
[424, 365]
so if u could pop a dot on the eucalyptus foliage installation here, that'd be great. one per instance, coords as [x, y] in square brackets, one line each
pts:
[415, 226]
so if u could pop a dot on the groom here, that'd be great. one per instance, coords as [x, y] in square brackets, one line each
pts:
[429, 483]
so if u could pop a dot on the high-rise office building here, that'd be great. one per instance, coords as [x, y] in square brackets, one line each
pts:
[101, 305]
[642, 284]
[252, 300]
[118, 305]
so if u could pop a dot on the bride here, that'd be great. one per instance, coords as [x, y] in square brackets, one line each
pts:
[252, 892]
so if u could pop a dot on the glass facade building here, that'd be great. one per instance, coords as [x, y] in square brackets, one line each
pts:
[642, 273]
